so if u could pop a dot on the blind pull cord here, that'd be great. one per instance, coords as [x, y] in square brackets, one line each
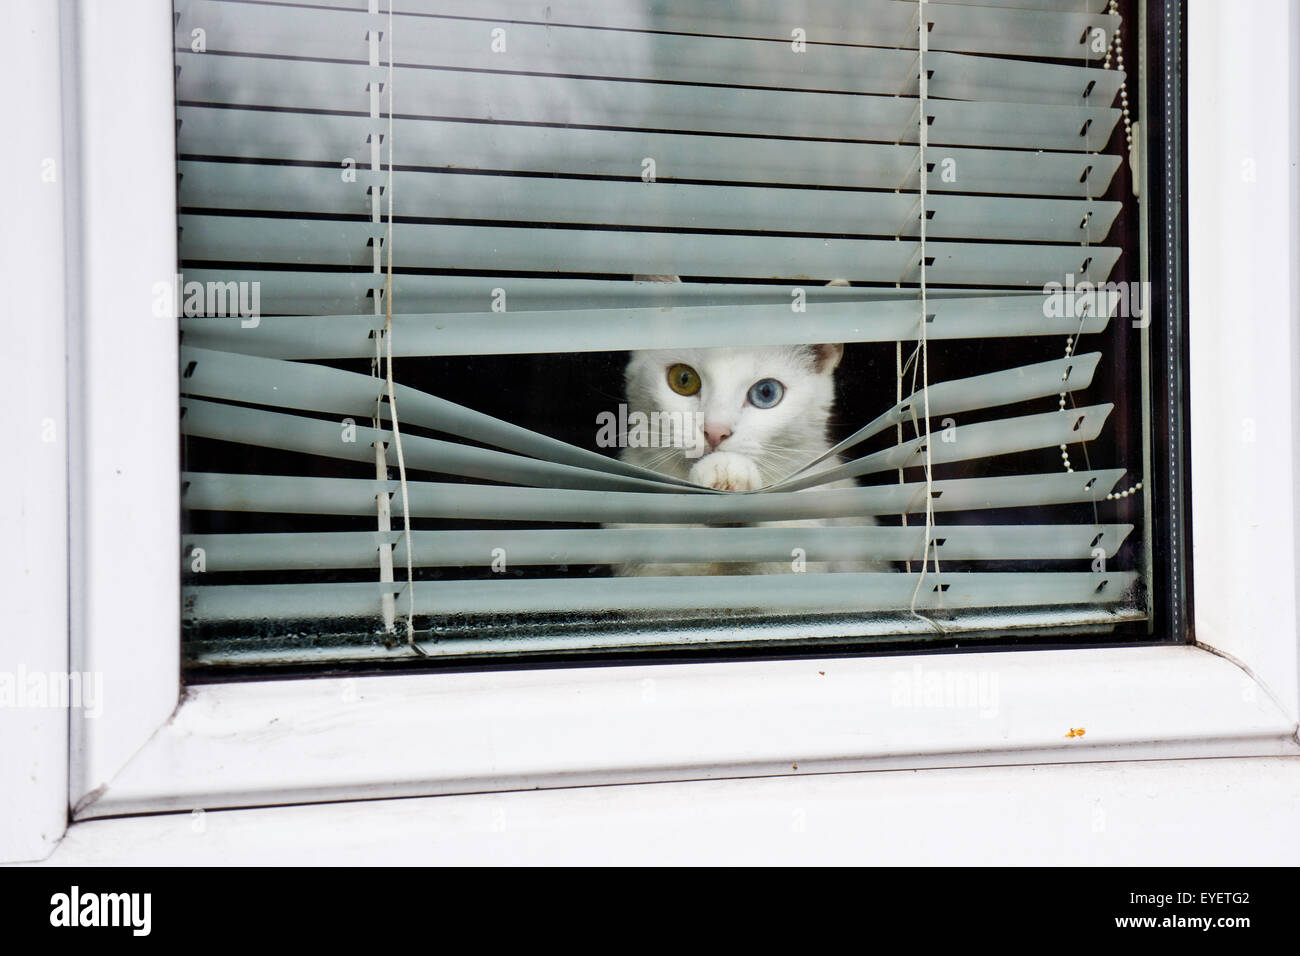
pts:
[388, 364]
[923, 42]
[383, 358]
[1115, 46]
[898, 428]
[383, 504]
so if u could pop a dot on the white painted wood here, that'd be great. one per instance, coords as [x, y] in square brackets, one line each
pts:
[33, 485]
[338, 739]
[1245, 334]
[126, 512]
[1158, 813]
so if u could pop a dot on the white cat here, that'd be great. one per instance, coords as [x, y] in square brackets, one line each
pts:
[758, 414]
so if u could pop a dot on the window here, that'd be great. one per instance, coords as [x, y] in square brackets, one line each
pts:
[481, 193]
[287, 741]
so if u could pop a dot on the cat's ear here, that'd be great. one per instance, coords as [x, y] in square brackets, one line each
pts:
[827, 357]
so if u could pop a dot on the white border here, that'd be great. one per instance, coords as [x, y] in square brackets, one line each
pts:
[1244, 101]
[288, 742]
[125, 593]
[33, 525]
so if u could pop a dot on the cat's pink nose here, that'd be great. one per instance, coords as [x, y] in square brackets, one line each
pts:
[715, 435]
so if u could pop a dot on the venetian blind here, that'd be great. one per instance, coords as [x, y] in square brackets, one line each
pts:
[509, 140]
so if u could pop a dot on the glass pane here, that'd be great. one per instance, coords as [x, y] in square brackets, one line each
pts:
[663, 302]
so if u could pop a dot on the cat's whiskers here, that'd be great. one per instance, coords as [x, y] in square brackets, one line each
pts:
[660, 458]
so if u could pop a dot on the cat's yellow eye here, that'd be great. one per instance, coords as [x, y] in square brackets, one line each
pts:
[683, 379]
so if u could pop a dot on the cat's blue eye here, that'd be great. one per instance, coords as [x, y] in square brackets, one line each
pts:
[766, 393]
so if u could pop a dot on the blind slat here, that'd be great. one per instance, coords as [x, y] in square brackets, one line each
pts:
[1062, 6]
[293, 385]
[326, 139]
[328, 295]
[1050, 28]
[598, 330]
[203, 419]
[719, 593]
[350, 441]
[359, 549]
[981, 391]
[212, 491]
[259, 381]
[305, 85]
[331, 34]
[612, 252]
[686, 206]
[968, 442]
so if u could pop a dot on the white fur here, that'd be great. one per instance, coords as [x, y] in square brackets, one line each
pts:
[766, 445]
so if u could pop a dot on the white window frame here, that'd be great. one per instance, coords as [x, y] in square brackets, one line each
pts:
[160, 746]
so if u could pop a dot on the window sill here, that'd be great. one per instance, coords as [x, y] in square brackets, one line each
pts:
[288, 742]
[1166, 813]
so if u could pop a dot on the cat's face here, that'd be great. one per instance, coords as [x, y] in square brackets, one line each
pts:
[768, 404]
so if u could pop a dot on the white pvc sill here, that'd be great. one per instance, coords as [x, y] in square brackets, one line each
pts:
[282, 742]
[1154, 813]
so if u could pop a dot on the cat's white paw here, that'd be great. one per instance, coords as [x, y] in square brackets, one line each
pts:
[726, 471]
